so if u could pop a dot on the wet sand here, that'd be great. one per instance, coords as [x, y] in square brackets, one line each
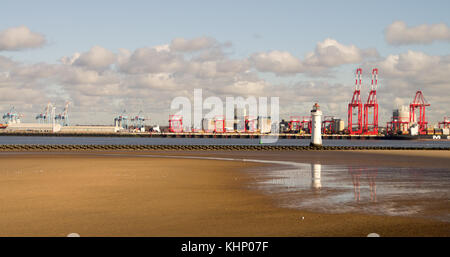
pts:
[394, 158]
[93, 195]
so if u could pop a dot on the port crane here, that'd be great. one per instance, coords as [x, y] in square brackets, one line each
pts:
[371, 107]
[11, 116]
[138, 121]
[175, 123]
[355, 108]
[420, 103]
[445, 123]
[121, 120]
[294, 124]
[63, 118]
[306, 124]
[44, 116]
[328, 124]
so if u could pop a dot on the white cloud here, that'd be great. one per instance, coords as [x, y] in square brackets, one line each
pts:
[96, 58]
[19, 38]
[279, 62]
[70, 60]
[216, 69]
[246, 88]
[415, 67]
[160, 81]
[73, 75]
[398, 33]
[331, 53]
[192, 45]
[6, 63]
[328, 54]
[233, 66]
[150, 60]
[160, 48]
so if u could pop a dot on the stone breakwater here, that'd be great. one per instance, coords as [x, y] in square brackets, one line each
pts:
[201, 148]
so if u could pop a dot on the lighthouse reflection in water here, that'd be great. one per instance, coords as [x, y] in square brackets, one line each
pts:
[315, 174]
[374, 190]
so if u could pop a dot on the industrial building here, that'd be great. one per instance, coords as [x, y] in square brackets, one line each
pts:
[400, 121]
[33, 127]
[89, 129]
[57, 128]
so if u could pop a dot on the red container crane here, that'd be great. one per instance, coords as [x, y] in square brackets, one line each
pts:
[419, 103]
[328, 125]
[294, 124]
[356, 128]
[445, 123]
[306, 124]
[175, 123]
[371, 128]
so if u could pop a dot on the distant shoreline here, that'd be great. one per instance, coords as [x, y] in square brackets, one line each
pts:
[235, 135]
[71, 147]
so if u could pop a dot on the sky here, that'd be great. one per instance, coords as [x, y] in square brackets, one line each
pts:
[109, 56]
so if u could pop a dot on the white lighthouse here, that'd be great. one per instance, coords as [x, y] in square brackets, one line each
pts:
[316, 134]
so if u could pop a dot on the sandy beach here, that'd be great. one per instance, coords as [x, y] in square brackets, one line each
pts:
[99, 195]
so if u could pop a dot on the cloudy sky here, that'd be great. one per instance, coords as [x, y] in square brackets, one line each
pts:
[109, 56]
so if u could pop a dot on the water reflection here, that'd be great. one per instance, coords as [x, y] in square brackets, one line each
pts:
[371, 175]
[315, 174]
[356, 174]
[374, 190]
